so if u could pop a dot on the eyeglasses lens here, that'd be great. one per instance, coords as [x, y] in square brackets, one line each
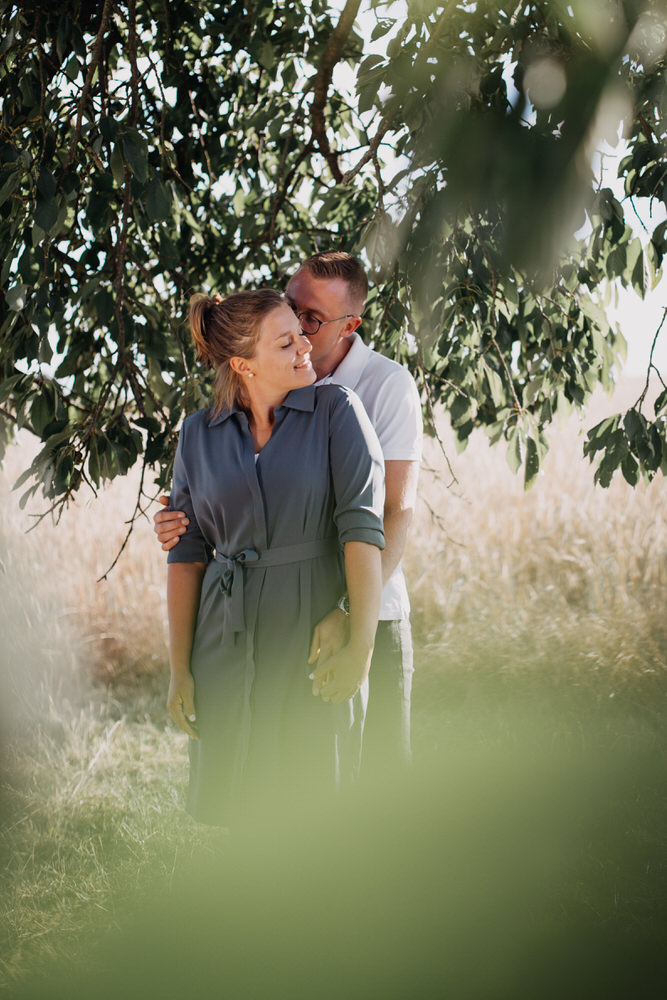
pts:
[309, 324]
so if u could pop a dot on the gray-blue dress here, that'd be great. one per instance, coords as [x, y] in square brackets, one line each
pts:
[272, 533]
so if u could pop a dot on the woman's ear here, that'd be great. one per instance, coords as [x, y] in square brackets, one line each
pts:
[241, 367]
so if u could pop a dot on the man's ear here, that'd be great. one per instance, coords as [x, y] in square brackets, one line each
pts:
[353, 323]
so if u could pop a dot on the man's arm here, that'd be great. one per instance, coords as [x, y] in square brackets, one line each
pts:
[400, 484]
[400, 497]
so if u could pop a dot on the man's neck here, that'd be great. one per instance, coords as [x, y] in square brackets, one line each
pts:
[328, 364]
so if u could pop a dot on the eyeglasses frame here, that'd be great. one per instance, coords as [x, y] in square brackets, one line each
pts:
[320, 322]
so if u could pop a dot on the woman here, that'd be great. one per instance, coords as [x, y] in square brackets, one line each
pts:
[277, 480]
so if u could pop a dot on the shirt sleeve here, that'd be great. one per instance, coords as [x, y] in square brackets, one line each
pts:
[192, 546]
[357, 469]
[397, 417]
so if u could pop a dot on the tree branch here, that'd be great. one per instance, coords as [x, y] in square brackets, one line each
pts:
[138, 510]
[371, 152]
[322, 82]
[640, 401]
[85, 93]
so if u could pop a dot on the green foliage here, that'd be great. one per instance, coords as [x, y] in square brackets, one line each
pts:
[151, 150]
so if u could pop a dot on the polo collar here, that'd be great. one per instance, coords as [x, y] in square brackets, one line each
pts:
[298, 399]
[350, 369]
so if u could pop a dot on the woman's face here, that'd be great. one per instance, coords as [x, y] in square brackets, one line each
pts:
[282, 355]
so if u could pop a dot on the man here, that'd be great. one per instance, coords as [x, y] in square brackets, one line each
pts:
[328, 294]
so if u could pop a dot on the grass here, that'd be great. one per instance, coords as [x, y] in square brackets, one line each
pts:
[93, 773]
[561, 587]
[538, 621]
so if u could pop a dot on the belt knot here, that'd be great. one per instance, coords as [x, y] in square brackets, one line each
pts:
[231, 582]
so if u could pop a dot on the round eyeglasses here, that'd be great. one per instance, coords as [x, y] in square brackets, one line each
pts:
[311, 324]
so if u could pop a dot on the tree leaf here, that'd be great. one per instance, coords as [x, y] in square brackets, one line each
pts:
[46, 213]
[266, 56]
[157, 201]
[515, 450]
[117, 164]
[9, 185]
[17, 297]
[639, 278]
[532, 463]
[136, 155]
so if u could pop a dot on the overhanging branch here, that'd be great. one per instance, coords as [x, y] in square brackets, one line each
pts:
[322, 82]
[94, 63]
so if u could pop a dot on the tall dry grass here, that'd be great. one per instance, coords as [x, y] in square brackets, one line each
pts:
[566, 579]
[117, 622]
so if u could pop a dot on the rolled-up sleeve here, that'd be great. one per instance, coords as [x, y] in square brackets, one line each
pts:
[192, 546]
[357, 469]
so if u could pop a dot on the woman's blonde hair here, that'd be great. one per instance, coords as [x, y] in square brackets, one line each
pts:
[229, 328]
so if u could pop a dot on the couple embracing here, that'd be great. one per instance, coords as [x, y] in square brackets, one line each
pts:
[291, 501]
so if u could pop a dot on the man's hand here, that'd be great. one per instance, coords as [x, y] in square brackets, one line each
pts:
[343, 674]
[329, 636]
[169, 525]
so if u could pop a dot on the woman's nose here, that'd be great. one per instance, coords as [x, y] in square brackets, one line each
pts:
[305, 345]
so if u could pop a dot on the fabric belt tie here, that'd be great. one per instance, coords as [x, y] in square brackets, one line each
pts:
[231, 579]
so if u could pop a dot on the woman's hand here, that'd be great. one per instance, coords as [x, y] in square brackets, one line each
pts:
[340, 676]
[343, 673]
[329, 637]
[181, 703]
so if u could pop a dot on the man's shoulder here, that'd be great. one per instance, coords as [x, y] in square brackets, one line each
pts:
[388, 366]
[382, 372]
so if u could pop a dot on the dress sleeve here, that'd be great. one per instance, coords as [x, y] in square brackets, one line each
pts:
[192, 546]
[357, 469]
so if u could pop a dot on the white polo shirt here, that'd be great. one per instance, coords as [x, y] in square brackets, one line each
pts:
[390, 397]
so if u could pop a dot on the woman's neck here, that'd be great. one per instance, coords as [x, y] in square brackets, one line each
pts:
[261, 418]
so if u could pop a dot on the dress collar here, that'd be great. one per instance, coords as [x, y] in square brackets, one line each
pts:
[297, 399]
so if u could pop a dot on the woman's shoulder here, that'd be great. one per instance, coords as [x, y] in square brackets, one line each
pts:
[331, 394]
[198, 421]
[344, 408]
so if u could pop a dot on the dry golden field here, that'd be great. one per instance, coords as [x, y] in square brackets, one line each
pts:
[564, 566]
[543, 608]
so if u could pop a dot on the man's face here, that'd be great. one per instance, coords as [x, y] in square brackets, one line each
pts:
[325, 299]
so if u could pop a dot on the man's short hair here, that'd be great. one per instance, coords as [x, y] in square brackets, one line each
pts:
[340, 264]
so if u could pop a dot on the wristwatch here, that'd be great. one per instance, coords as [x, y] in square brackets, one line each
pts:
[344, 604]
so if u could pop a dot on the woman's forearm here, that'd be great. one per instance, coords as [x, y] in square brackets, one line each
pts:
[363, 574]
[183, 590]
